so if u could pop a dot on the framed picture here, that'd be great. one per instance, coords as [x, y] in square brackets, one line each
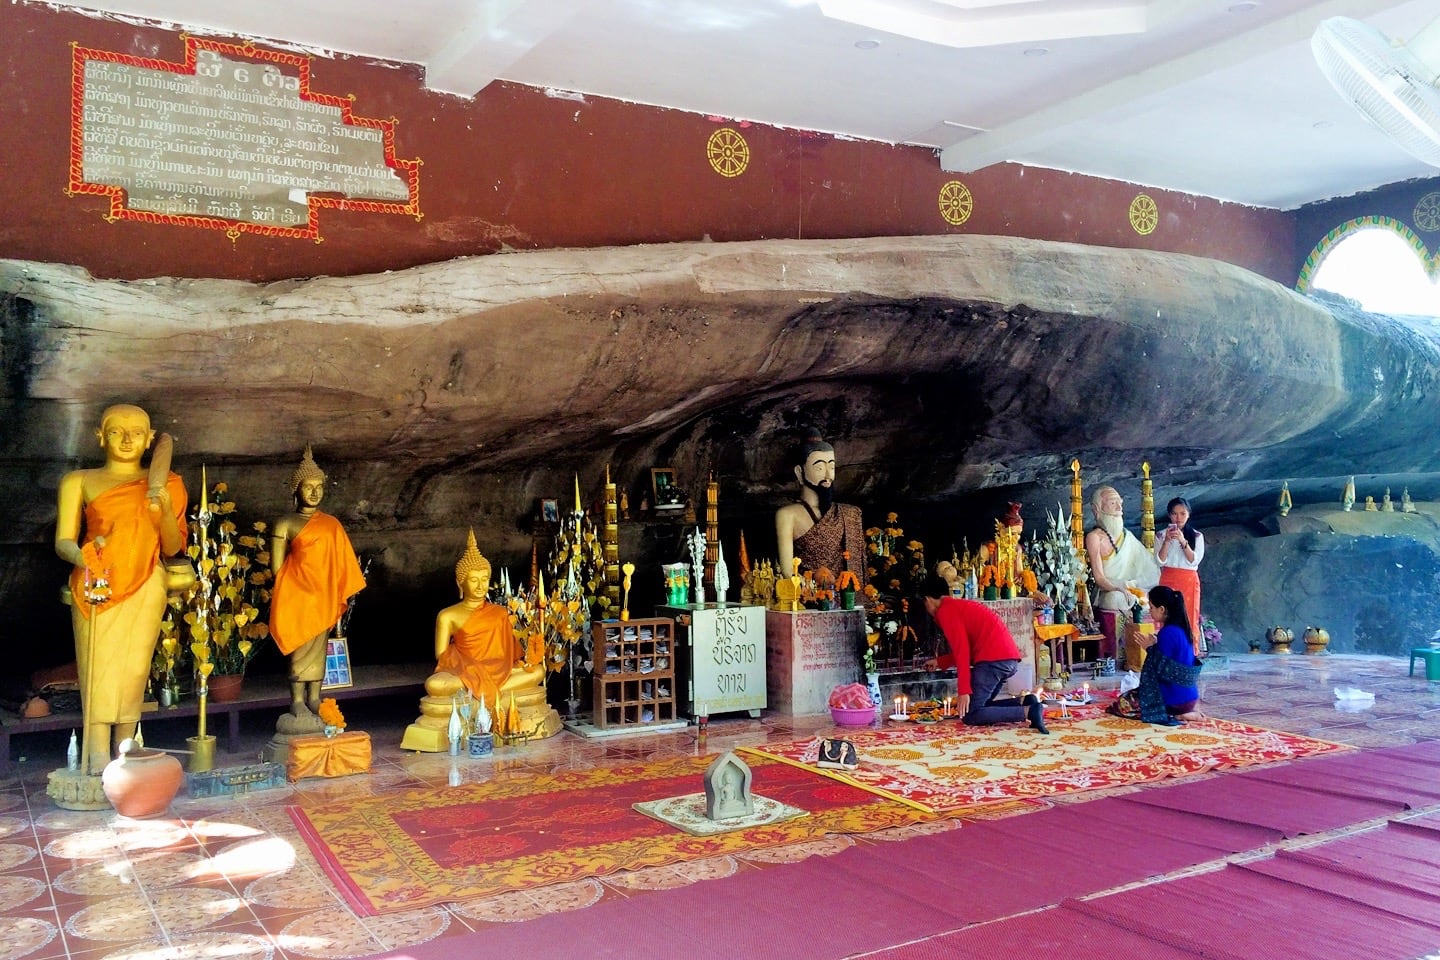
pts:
[337, 664]
[550, 510]
[664, 488]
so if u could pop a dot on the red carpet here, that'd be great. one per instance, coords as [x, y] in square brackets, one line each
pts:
[435, 845]
[923, 897]
[951, 768]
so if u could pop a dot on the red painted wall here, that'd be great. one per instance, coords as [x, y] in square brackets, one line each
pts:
[514, 168]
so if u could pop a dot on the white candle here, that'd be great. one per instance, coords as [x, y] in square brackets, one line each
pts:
[897, 706]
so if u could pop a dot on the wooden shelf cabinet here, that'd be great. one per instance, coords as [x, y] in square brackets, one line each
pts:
[634, 672]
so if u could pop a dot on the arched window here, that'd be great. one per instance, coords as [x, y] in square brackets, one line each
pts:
[1378, 262]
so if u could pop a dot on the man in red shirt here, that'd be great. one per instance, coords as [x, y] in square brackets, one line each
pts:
[984, 656]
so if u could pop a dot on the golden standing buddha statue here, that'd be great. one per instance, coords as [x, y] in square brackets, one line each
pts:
[114, 524]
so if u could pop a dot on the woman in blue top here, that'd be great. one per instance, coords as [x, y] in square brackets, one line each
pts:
[1173, 641]
[1167, 693]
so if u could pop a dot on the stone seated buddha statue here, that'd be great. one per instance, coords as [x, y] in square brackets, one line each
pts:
[476, 650]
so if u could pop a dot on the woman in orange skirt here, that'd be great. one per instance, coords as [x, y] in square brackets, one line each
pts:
[1180, 548]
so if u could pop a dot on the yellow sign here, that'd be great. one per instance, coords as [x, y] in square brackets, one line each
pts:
[956, 203]
[728, 152]
[1144, 215]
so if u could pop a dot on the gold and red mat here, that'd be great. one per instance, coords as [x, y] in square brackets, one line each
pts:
[949, 768]
[441, 844]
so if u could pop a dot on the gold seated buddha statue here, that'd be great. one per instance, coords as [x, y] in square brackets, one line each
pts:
[476, 650]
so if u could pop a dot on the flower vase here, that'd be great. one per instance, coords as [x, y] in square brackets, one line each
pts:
[872, 681]
[225, 687]
[1007, 592]
[481, 745]
[992, 593]
[166, 696]
[331, 730]
[1061, 616]
[847, 598]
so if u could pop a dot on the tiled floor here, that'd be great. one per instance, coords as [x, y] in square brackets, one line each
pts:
[231, 878]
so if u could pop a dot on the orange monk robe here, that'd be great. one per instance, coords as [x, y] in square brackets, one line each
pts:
[132, 543]
[482, 651]
[319, 575]
[124, 630]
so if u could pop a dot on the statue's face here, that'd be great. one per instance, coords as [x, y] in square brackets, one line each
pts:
[125, 435]
[476, 585]
[1111, 504]
[310, 492]
[818, 469]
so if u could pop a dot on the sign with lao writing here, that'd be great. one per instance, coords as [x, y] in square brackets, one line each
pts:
[233, 139]
[726, 656]
[808, 654]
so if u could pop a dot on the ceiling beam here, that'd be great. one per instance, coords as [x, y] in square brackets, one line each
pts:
[1043, 127]
[498, 35]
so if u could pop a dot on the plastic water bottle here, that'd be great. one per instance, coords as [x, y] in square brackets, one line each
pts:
[1048, 617]
[72, 753]
[972, 587]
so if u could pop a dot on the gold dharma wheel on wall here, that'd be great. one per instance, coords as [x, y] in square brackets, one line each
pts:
[1144, 215]
[728, 152]
[1427, 213]
[956, 203]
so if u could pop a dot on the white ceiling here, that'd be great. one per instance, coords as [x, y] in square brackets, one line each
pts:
[1213, 97]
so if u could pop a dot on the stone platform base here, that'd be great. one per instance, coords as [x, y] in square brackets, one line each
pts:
[73, 790]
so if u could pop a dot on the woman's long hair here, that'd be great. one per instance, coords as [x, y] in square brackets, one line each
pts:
[1173, 603]
[1188, 530]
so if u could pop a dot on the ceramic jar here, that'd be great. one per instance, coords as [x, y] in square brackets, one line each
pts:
[1316, 640]
[1280, 638]
[141, 783]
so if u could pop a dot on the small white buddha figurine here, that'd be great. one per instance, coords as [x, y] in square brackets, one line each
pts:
[1386, 504]
[1371, 506]
[1406, 504]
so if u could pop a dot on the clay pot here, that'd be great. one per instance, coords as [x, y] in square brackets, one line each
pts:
[36, 707]
[225, 687]
[141, 783]
[1316, 640]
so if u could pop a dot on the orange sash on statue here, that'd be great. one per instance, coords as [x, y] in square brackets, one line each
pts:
[132, 544]
[482, 652]
[319, 574]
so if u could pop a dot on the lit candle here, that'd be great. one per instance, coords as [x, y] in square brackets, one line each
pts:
[905, 705]
[897, 706]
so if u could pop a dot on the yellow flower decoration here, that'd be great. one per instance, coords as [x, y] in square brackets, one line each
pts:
[330, 713]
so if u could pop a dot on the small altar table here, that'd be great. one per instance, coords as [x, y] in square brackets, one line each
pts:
[1061, 639]
[322, 756]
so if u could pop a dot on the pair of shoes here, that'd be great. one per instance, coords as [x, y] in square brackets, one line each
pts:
[1035, 712]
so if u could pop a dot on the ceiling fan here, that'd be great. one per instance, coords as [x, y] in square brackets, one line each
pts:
[1392, 84]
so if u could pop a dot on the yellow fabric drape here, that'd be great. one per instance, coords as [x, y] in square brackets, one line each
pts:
[320, 756]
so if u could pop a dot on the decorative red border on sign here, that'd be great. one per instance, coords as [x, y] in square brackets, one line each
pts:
[410, 169]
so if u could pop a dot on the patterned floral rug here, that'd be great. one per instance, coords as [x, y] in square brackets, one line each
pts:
[436, 845]
[950, 768]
